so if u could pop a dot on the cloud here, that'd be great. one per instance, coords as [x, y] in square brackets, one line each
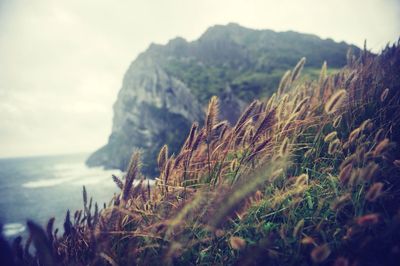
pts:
[62, 62]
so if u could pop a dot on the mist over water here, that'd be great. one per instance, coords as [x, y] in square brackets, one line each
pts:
[38, 188]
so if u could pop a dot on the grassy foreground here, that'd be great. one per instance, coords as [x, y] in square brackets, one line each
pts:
[308, 176]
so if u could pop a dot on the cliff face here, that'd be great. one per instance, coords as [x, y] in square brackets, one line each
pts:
[153, 108]
[166, 87]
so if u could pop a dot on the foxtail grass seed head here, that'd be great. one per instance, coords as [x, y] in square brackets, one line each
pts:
[309, 152]
[300, 105]
[374, 192]
[222, 133]
[117, 181]
[84, 195]
[380, 135]
[297, 229]
[192, 135]
[239, 137]
[360, 154]
[349, 160]
[133, 167]
[289, 122]
[320, 253]
[366, 125]
[354, 135]
[334, 146]
[307, 241]
[279, 111]
[331, 136]
[132, 173]
[301, 180]
[335, 101]
[284, 83]
[258, 149]
[262, 145]
[355, 177]
[369, 171]
[168, 169]
[258, 196]
[270, 102]
[323, 73]
[262, 108]
[234, 164]
[345, 173]
[298, 68]
[237, 243]
[284, 100]
[179, 159]
[346, 145]
[381, 147]
[162, 157]
[246, 115]
[198, 140]
[349, 57]
[384, 94]
[341, 202]
[248, 135]
[220, 125]
[265, 124]
[336, 121]
[211, 116]
[368, 219]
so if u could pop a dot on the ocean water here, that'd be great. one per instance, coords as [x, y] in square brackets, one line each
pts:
[38, 188]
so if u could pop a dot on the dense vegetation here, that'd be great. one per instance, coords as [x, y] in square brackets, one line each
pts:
[250, 61]
[206, 81]
[309, 176]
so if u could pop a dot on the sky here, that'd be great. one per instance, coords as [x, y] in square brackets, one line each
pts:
[62, 62]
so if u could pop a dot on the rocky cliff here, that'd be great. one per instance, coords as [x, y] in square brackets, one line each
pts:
[166, 87]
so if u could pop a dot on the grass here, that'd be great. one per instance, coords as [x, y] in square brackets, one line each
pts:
[310, 175]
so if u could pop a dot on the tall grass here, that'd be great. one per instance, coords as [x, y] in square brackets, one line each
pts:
[310, 175]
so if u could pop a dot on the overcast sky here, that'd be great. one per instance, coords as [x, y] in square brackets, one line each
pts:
[62, 62]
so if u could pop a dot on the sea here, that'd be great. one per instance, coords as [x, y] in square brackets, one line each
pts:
[38, 188]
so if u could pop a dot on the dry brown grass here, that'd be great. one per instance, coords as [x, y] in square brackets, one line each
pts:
[310, 175]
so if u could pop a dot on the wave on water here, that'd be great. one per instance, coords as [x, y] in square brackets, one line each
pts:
[13, 229]
[73, 174]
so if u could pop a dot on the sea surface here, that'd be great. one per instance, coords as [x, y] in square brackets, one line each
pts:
[38, 188]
